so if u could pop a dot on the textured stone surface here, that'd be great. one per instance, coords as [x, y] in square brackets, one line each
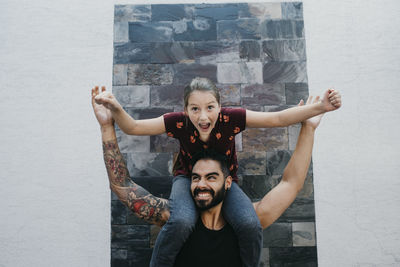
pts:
[132, 96]
[150, 32]
[294, 131]
[228, 51]
[129, 234]
[120, 74]
[166, 95]
[261, 11]
[206, 52]
[263, 94]
[292, 10]
[249, 50]
[281, 29]
[230, 94]
[303, 234]
[239, 29]
[168, 12]
[256, 186]
[132, 143]
[278, 235]
[265, 139]
[302, 209]
[130, 13]
[252, 162]
[184, 73]
[264, 261]
[246, 72]
[147, 113]
[199, 29]
[276, 72]
[118, 212]
[126, 53]
[172, 52]
[159, 186]
[284, 50]
[149, 164]
[121, 32]
[155, 74]
[163, 143]
[295, 92]
[293, 256]
[229, 73]
[217, 11]
[277, 161]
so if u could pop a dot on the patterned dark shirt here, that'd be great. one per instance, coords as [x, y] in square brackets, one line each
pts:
[231, 121]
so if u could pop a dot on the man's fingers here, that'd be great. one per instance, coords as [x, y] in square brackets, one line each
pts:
[309, 100]
[103, 88]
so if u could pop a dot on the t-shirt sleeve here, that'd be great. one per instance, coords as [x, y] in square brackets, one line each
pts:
[236, 118]
[174, 122]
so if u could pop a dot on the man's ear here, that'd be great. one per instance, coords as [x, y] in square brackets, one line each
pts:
[228, 182]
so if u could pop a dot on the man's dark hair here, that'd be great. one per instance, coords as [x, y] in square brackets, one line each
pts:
[212, 155]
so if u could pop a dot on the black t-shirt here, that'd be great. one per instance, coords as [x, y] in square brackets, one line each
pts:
[210, 248]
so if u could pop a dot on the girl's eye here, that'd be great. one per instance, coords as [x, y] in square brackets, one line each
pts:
[210, 107]
[194, 109]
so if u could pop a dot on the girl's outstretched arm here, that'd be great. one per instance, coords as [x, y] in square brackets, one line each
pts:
[331, 101]
[124, 121]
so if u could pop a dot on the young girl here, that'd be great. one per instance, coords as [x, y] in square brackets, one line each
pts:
[204, 124]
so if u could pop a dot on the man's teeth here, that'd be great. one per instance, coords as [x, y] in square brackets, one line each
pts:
[203, 194]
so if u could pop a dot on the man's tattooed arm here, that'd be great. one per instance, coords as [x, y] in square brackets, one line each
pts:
[152, 209]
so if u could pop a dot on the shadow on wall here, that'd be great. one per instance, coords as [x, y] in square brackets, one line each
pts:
[255, 53]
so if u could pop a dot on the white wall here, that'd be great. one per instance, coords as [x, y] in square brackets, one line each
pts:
[54, 206]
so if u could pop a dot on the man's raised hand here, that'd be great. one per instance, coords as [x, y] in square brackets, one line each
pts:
[106, 99]
[102, 113]
[313, 121]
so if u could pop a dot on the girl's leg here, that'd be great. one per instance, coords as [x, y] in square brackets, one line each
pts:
[239, 212]
[182, 220]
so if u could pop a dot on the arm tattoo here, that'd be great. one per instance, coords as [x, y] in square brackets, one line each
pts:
[152, 209]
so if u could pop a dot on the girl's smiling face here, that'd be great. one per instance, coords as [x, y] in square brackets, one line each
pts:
[202, 110]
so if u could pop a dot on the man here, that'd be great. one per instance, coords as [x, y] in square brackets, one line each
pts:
[209, 183]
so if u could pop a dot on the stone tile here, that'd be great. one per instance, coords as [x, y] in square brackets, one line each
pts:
[249, 50]
[284, 50]
[256, 139]
[247, 28]
[132, 143]
[255, 186]
[154, 74]
[150, 32]
[163, 143]
[154, 230]
[139, 257]
[301, 210]
[147, 113]
[167, 95]
[199, 29]
[295, 92]
[126, 53]
[230, 94]
[293, 256]
[130, 13]
[261, 11]
[132, 96]
[171, 12]
[277, 72]
[251, 72]
[121, 254]
[149, 164]
[159, 186]
[303, 234]
[229, 73]
[172, 52]
[217, 11]
[276, 108]
[118, 212]
[114, 196]
[263, 94]
[121, 32]
[308, 188]
[184, 73]
[206, 52]
[292, 10]
[228, 51]
[135, 220]
[264, 259]
[120, 74]
[277, 161]
[130, 233]
[294, 131]
[278, 235]
[282, 29]
[252, 163]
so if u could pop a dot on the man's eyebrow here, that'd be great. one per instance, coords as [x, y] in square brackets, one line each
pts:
[208, 174]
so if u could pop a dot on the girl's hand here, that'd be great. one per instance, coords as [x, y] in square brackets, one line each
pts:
[107, 99]
[102, 113]
[314, 121]
[332, 100]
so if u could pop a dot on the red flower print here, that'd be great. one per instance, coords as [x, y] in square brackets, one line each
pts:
[190, 156]
[230, 138]
[236, 130]
[205, 146]
[226, 118]
[218, 135]
[195, 133]
[183, 152]
[231, 167]
[220, 117]
[179, 125]
[170, 134]
[228, 152]
[192, 139]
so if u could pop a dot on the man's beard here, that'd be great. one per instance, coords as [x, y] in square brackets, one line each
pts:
[216, 198]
